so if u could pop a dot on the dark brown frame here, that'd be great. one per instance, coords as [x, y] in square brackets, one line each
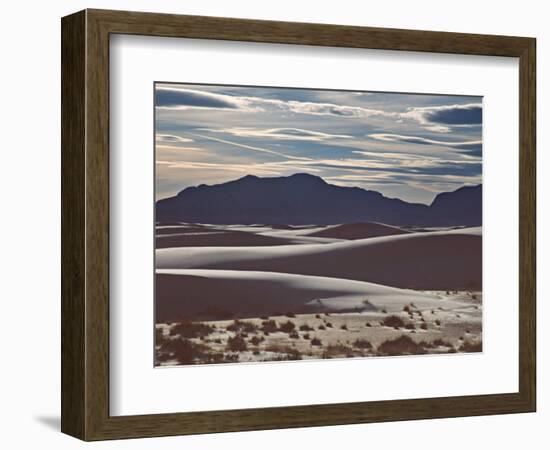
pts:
[85, 224]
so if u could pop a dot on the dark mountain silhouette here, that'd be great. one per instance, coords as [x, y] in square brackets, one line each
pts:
[306, 199]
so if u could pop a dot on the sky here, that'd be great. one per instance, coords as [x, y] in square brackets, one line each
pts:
[407, 146]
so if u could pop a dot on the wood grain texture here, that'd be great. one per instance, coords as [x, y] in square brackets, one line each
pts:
[85, 224]
[73, 226]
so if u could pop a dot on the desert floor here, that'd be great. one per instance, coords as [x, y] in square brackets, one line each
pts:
[262, 293]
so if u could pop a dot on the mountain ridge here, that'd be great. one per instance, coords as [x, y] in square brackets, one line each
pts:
[302, 199]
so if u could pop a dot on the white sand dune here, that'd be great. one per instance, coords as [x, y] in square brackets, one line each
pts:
[434, 260]
[360, 230]
[202, 293]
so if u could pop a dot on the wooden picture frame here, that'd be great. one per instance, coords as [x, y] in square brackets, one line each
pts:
[85, 224]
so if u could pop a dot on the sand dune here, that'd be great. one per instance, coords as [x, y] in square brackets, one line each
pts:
[218, 238]
[359, 230]
[434, 260]
[212, 294]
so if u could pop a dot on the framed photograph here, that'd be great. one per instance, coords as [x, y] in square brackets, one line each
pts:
[273, 225]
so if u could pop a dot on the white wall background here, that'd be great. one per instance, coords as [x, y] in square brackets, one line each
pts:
[30, 225]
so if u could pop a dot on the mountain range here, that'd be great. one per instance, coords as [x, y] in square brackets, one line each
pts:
[304, 199]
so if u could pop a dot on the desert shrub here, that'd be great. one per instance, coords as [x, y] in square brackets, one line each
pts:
[403, 345]
[322, 327]
[286, 353]
[336, 350]
[410, 326]
[217, 341]
[362, 343]
[245, 327]
[290, 314]
[305, 327]
[393, 321]
[328, 324]
[236, 344]
[235, 326]
[185, 351]
[407, 308]
[424, 326]
[287, 327]
[438, 322]
[269, 326]
[256, 352]
[384, 310]
[255, 340]
[316, 341]
[264, 317]
[190, 330]
[317, 316]
[344, 327]
[471, 347]
[293, 335]
[306, 336]
[159, 336]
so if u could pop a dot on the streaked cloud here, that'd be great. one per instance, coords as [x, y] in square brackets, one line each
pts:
[474, 146]
[293, 134]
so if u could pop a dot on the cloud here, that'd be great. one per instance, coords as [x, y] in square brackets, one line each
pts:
[249, 147]
[295, 134]
[184, 98]
[181, 98]
[171, 139]
[442, 118]
[471, 146]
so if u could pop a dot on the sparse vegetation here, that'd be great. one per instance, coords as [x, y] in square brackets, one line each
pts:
[423, 326]
[269, 326]
[236, 344]
[305, 327]
[191, 330]
[393, 321]
[287, 327]
[316, 341]
[343, 327]
[403, 345]
[255, 340]
[362, 343]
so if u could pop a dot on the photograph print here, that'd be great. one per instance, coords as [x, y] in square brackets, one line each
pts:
[297, 224]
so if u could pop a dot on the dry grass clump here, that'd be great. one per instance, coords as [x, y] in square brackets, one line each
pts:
[269, 326]
[338, 350]
[184, 351]
[362, 344]
[287, 327]
[236, 344]
[191, 330]
[255, 340]
[244, 327]
[285, 353]
[317, 342]
[403, 345]
[393, 321]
